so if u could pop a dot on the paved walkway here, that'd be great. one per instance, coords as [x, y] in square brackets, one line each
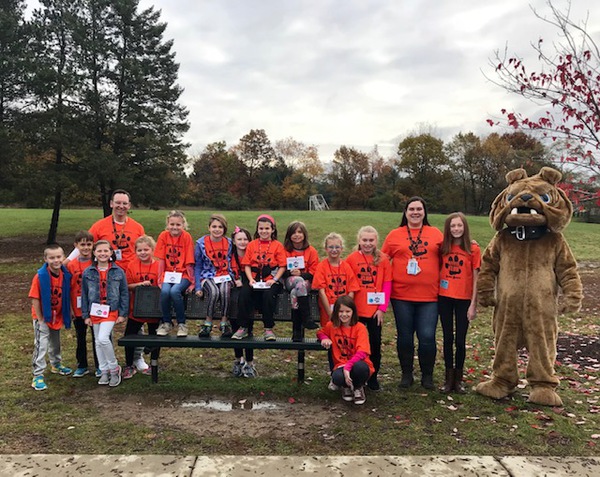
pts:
[49, 465]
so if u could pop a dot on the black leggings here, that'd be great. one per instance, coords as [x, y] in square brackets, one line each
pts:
[359, 374]
[262, 300]
[81, 351]
[132, 328]
[374, 341]
[449, 308]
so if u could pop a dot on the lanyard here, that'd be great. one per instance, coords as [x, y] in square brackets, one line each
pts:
[368, 274]
[173, 251]
[336, 277]
[103, 284]
[119, 235]
[218, 256]
[414, 243]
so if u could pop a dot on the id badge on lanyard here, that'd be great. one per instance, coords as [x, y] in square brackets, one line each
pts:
[412, 268]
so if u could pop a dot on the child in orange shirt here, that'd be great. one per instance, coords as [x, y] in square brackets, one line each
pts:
[50, 308]
[264, 265]
[141, 272]
[374, 272]
[333, 277]
[84, 241]
[297, 278]
[348, 341]
[175, 253]
[104, 302]
[461, 260]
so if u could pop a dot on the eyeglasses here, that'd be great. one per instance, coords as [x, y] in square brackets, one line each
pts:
[334, 247]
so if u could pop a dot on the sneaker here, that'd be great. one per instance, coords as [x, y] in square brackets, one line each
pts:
[147, 371]
[39, 384]
[129, 372]
[205, 330]
[81, 372]
[240, 334]
[164, 329]
[115, 377]
[237, 369]
[269, 335]
[332, 386]
[104, 379]
[226, 330]
[249, 371]
[347, 394]
[140, 365]
[359, 395]
[60, 369]
[182, 330]
[98, 373]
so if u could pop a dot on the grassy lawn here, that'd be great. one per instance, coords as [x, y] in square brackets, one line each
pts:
[77, 416]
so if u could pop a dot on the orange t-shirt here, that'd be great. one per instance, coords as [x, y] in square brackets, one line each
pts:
[138, 272]
[311, 258]
[56, 287]
[346, 342]
[424, 247]
[263, 257]
[177, 252]
[113, 314]
[456, 275]
[76, 267]
[120, 236]
[217, 254]
[335, 281]
[370, 278]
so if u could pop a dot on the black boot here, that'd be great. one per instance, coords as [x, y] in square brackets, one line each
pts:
[458, 381]
[304, 309]
[448, 386]
[427, 361]
[297, 332]
[406, 363]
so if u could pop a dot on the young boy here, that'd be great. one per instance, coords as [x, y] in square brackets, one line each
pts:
[50, 308]
[84, 241]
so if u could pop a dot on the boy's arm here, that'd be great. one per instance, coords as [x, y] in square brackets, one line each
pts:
[37, 307]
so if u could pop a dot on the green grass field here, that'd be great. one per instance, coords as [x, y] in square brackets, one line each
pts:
[138, 417]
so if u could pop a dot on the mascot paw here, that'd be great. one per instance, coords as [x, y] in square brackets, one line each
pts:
[487, 299]
[569, 308]
[544, 397]
[493, 389]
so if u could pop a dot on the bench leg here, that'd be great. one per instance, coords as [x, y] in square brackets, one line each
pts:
[300, 366]
[154, 367]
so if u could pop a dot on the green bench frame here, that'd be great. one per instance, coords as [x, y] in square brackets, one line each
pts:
[147, 305]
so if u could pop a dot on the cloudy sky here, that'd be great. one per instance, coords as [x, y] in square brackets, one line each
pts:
[353, 72]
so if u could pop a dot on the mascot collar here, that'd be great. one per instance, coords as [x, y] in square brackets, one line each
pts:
[528, 232]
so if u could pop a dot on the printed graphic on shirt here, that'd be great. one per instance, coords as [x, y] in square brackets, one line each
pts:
[346, 345]
[217, 253]
[367, 275]
[418, 247]
[453, 264]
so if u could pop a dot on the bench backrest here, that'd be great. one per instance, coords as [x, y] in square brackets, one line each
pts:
[147, 305]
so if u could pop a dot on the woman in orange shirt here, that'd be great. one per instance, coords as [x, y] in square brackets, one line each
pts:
[413, 248]
[461, 261]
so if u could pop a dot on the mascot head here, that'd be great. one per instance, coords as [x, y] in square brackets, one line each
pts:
[532, 202]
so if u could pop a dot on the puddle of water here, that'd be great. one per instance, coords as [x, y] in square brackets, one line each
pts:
[244, 405]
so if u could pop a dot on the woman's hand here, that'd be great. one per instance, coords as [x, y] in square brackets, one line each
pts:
[378, 315]
[348, 379]
[326, 343]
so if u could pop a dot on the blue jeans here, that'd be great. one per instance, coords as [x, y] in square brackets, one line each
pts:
[173, 294]
[419, 317]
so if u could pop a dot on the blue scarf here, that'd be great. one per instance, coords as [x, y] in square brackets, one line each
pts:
[45, 289]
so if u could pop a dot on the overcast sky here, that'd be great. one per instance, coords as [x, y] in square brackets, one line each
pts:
[353, 72]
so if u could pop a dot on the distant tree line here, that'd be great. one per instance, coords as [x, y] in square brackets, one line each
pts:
[89, 102]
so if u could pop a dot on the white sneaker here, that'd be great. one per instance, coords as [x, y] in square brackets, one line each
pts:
[164, 329]
[140, 364]
[332, 386]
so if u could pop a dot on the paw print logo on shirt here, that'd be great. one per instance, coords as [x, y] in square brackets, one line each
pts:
[418, 247]
[337, 285]
[55, 296]
[367, 276]
[454, 265]
[172, 256]
[121, 240]
[344, 346]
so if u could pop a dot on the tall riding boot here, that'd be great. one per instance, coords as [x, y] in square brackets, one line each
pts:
[304, 309]
[427, 361]
[406, 363]
[448, 386]
[297, 333]
[458, 381]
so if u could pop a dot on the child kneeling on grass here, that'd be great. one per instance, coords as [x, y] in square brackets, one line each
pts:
[50, 308]
[348, 340]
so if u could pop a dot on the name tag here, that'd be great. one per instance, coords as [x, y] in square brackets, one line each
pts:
[100, 311]
[295, 263]
[261, 286]
[118, 254]
[222, 279]
[444, 284]
[375, 298]
[412, 268]
[173, 277]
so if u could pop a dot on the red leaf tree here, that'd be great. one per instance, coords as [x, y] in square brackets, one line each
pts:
[566, 85]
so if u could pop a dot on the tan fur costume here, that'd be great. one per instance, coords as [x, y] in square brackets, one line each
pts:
[522, 269]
